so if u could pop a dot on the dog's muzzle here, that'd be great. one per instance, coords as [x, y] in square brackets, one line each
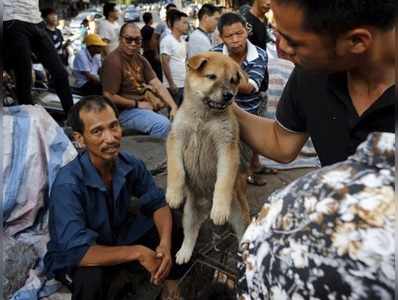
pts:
[227, 100]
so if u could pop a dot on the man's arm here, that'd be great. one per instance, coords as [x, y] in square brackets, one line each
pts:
[98, 255]
[91, 77]
[268, 138]
[120, 101]
[163, 92]
[165, 61]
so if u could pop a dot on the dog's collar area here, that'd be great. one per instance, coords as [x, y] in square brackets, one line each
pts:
[216, 105]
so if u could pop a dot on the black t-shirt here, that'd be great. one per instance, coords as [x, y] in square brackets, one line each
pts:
[57, 39]
[320, 105]
[146, 33]
[257, 31]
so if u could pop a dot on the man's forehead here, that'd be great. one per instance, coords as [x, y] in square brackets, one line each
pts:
[132, 29]
[97, 117]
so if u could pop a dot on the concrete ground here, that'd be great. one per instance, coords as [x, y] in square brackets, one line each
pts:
[215, 256]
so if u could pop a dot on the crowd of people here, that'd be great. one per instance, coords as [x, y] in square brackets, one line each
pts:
[326, 236]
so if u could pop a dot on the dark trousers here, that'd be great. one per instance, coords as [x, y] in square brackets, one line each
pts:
[91, 88]
[96, 282]
[20, 40]
[179, 97]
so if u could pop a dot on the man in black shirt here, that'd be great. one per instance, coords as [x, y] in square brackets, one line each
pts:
[148, 46]
[257, 23]
[342, 88]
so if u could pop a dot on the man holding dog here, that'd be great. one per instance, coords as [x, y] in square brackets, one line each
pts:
[96, 229]
[253, 60]
[126, 76]
[342, 88]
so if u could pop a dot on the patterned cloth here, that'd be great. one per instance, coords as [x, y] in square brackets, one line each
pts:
[329, 234]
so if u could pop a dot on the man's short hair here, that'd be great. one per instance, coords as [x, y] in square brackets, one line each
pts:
[335, 17]
[207, 10]
[170, 6]
[228, 19]
[108, 8]
[174, 16]
[132, 24]
[147, 17]
[87, 104]
[48, 11]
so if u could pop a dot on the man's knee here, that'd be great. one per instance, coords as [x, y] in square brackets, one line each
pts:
[161, 127]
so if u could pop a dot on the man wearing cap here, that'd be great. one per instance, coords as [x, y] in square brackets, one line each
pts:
[87, 64]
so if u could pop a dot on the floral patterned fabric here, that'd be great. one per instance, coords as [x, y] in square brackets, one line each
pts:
[328, 235]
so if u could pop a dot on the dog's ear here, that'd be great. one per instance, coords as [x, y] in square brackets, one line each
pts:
[197, 62]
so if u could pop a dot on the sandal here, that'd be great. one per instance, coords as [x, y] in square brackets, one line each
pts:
[256, 180]
[265, 170]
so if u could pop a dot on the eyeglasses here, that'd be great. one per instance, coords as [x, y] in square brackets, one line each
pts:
[130, 40]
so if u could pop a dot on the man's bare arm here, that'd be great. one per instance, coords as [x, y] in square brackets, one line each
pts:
[120, 101]
[91, 77]
[165, 61]
[163, 92]
[108, 256]
[268, 138]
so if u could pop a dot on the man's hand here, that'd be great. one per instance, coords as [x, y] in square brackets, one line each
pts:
[173, 89]
[147, 258]
[173, 113]
[163, 252]
[145, 105]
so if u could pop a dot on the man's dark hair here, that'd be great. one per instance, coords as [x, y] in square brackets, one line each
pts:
[207, 10]
[89, 103]
[228, 19]
[108, 8]
[133, 24]
[147, 17]
[48, 11]
[174, 16]
[335, 17]
[170, 6]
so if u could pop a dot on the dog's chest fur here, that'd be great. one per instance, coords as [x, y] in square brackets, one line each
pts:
[201, 138]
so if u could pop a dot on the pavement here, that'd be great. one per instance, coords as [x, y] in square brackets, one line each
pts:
[214, 258]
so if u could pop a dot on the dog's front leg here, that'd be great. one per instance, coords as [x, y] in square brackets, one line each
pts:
[175, 171]
[227, 169]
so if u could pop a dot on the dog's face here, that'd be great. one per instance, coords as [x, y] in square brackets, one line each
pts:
[213, 78]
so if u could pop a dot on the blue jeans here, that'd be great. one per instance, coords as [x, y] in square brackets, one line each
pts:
[145, 121]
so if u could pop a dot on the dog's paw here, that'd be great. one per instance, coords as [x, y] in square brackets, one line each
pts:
[219, 214]
[183, 255]
[174, 198]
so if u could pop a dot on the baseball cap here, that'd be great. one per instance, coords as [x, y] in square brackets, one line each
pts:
[93, 39]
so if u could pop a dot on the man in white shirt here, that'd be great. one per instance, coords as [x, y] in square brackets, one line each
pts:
[109, 28]
[202, 39]
[24, 33]
[87, 65]
[173, 54]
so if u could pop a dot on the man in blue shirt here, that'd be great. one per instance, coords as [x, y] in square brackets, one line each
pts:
[94, 229]
[87, 64]
[253, 60]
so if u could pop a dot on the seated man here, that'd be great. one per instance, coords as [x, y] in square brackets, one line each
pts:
[93, 236]
[87, 64]
[126, 75]
[253, 60]
[329, 234]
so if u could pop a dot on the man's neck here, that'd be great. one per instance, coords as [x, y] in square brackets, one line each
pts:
[104, 168]
[203, 27]
[375, 72]
[255, 12]
[111, 20]
[176, 34]
[238, 57]
[51, 27]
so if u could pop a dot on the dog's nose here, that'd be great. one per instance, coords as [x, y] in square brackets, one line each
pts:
[227, 96]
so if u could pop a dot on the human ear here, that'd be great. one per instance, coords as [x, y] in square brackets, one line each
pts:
[356, 41]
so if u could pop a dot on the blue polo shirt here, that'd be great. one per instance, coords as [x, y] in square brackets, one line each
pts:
[255, 66]
[83, 212]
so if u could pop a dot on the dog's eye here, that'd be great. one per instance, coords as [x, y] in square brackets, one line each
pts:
[234, 80]
[211, 76]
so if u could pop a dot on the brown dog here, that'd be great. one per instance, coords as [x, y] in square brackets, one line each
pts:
[203, 151]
